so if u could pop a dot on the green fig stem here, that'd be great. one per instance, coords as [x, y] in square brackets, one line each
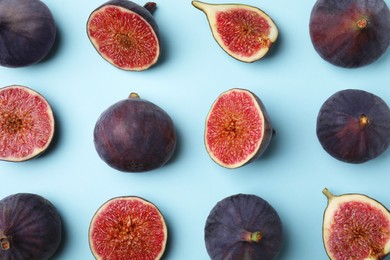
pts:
[327, 193]
[256, 236]
[151, 7]
[133, 95]
[5, 243]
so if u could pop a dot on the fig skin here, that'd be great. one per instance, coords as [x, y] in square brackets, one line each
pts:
[112, 237]
[350, 33]
[30, 227]
[262, 144]
[135, 135]
[27, 32]
[365, 232]
[353, 126]
[243, 226]
[146, 12]
[255, 40]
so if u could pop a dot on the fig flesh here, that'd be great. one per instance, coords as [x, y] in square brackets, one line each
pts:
[243, 226]
[349, 33]
[238, 129]
[125, 34]
[354, 126]
[27, 32]
[135, 135]
[26, 123]
[355, 226]
[128, 227]
[244, 32]
[30, 227]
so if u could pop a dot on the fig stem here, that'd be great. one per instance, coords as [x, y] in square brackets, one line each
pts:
[256, 236]
[327, 193]
[150, 6]
[364, 121]
[362, 23]
[5, 244]
[133, 95]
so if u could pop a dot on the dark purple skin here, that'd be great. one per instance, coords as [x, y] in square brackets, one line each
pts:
[230, 222]
[338, 39]
[354, 126]
[30, 225]
[135, 135]
[27, 32]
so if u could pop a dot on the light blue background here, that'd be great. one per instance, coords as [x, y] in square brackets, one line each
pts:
[292, 81]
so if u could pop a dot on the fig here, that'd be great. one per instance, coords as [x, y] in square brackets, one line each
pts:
[355, 226]
[244, 32]
[125, 34]
[350, 33]
[30, 227]
[353, 126]
[27, 32]
[243, 226]
[128, 227]
[238, 129]
[26, 123]
[135, 135]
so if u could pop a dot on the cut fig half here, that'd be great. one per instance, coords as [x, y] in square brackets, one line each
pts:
[125, 34]
[128, 227]
[238, 129]
[245, 32]
[26, 123]
[355, 226]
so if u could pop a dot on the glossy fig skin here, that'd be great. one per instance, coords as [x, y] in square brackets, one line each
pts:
[27, 32]
[135, 135]
[30, 227]
[350, 33]
[243, 226]
[354, 126]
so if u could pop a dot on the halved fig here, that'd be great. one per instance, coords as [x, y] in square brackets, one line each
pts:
[245, 32]
[27, 32]
[354, 126]
[350, 33]
[135, 135]
[30, 227]
[26, 123]
[125, 34]
[238, 129]
[243, 226]
[355, 226]
[128, 227]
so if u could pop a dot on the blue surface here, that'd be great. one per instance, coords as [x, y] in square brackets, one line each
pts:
[292, 81]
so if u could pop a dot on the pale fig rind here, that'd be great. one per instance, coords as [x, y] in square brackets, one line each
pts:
[363, 230]
[265, 37]
[228, 145]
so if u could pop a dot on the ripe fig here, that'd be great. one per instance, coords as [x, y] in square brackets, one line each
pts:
[30, 227]
[355, 226]
[238, 129]
[125, 34]
[26, 123]
[128, 227]
[350, 33]
[354, 126]
[135, 135]
[244, 32]
[243, 226]
[27, 32]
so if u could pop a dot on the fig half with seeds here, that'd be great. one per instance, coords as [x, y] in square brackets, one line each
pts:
[244, 32]
[128, 227]
[238, 129]
[26, 123]
[350, 33]
[243, 226]
[354, 126]
[125, 34]
[355, 226]
[30, 227]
